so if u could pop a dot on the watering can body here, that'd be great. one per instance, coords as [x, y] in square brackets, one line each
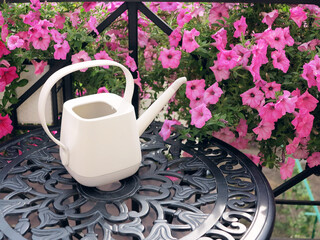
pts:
[99, 141]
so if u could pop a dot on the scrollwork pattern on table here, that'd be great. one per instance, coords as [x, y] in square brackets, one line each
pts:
[175, 191]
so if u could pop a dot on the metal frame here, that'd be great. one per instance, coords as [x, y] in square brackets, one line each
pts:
[133, 7]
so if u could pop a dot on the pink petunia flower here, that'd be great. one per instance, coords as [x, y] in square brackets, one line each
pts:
[286, 103]
[167, 128]
[196, 102]
[280, 61]
[270, 89]
[270, 17]
[87, 6]
[7, 75]
[59, 21]
[314, 159]
[184, 17]
[221, 39]
[81, 56]
[275, 38]
[189, 43]
[14, 42]
[288, 39]
[175, 37]
[242, 128]
[243, 54]
[227, 59]
[200, 115]
[212, 94]
[240, 143]
[35, 5]
[1, 19]
[254, 158]
[303, 123]
[102, 90]
[292, 146]
[41, 40]
[168, 6]
[307, 101]
[298, 15]
[195, 88]
[3, 49]
[103, 55]
[5, 32]
[252, 97]
[225, 134]
[308, 75]
[61, 50]
[240, 26]
[259, 52]
[301, 152]
[170, 58]
[57, 36]
[220, 73]
[92, 25]
[286, 169]
[39, 66]
[5, 126]
[130, 62]
[264, 130]
[218, 12]
[270, 113]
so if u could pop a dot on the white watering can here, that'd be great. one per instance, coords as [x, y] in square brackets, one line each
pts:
[99, 141]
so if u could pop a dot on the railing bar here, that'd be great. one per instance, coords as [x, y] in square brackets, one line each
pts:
[292, 181]
[110, 19]
[154, 18]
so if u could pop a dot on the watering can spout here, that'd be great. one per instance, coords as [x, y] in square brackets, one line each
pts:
[147, 117]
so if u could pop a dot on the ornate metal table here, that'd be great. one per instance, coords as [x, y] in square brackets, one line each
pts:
[182, 190]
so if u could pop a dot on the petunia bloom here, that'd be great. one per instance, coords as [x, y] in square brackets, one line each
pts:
[200, 115]
[189, 43]
[3, 49]
[170, 58]
[227, 59]
[212, 94]
[303, 123]
[175, 37]
[252, 97]
[307, 101]
[221, 39]
[286, 169]
[81, 56]
[7, 75]
[280, 61]
[61, 50]
[225, 134]
[195, 88]
[286, 103]
[218, 12]
[220, 73]
[314, 159]
[103, 55]
[130, 62]
[270, 17]
[14, 42]
[242, 128]
[102, 90]
[39, 66]
[270, 89]
[270, 113]
[167, 128]
[168, 6]
[275, 39]
[298, 15]
[264, 130]
[240, 26]
[5, 125]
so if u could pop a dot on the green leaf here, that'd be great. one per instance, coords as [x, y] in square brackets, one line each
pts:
[22, 82]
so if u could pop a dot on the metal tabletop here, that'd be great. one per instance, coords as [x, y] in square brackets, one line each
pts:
[183, 190]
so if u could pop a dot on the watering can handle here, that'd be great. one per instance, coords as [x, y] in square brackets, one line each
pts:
[54, 78]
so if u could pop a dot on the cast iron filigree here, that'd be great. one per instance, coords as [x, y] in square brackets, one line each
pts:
[183, 190]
